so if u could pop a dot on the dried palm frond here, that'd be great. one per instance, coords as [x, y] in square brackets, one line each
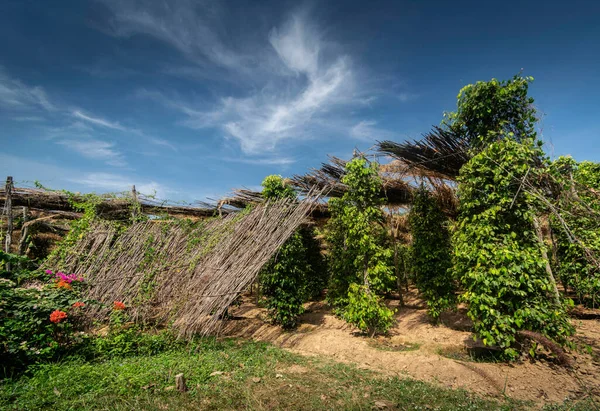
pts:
[441, 153]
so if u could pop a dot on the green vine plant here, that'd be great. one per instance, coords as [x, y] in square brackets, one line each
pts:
[297, 272]
[498, 256]
[576, 251]
[431, 253]
[361, 259]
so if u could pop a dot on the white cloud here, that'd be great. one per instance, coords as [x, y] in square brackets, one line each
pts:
[96, 150]
[287, 106]
[297, 45]
[366, 130]
[16, 95]
[274, 161]
[186, 25]
[98, 121]
[119, 183]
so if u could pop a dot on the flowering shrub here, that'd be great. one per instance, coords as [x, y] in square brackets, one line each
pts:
[37, 320]
[57, 316]
[118, 306]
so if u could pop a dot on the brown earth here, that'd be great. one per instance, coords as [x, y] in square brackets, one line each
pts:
[444, 354]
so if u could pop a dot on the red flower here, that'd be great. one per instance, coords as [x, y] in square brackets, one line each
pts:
[118, 305]
[63, 284]
[78, 304]
[57, 316]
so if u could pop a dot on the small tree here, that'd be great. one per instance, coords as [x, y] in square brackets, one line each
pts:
[577, 253]
[359, 258]
[488, 110]
[431, 252]
[498, 256]
[296, 272]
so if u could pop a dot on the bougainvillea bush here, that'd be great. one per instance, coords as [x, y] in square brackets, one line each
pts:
[39, 317]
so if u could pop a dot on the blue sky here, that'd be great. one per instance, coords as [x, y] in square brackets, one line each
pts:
[190, 99]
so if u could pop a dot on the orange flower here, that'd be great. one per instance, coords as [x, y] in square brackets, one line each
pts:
[63, 284]
[57, 316]
[118, 305]
[78, 304]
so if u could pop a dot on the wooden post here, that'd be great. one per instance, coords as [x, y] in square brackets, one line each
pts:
[134, 197]
[540, 238]
[180, 383]
[9, 223]
[24, 231]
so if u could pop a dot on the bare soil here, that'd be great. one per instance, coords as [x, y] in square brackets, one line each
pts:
[444, 354]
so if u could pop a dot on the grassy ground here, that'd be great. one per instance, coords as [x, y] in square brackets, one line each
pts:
[248, 376]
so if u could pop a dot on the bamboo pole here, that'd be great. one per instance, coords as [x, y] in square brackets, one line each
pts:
[9, 224]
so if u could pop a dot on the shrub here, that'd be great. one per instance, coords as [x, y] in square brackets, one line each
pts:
[366, 311]
[38, 319]
[283, 282]
[358, 242]
[497, 255]
[431, 253]
[296, 273]
[576, 253]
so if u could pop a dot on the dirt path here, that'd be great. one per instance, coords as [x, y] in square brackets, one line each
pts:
[414, 349]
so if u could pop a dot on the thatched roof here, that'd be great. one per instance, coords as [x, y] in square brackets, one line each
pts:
[110, 207]
[440, 154]
[328, 178]
[181, 272]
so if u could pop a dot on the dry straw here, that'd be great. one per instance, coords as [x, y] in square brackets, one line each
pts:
[187, 274]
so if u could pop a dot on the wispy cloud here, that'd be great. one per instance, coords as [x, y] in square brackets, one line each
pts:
[312, 81]
[275, 161]
[16, 95]
[188, 26]
[96, 150]
[119, 183]
[367, 130]
[98, 121]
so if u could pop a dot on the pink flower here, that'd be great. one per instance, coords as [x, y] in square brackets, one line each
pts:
[49, 272]
[68, 278]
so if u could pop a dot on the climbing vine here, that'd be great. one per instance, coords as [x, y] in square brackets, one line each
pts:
[431, 253]
[360, 256]
[296, 273]
[577, 250]
[498, 257]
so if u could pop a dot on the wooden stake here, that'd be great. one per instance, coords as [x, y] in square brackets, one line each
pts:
[540, 238]
[180, 383]
[134, 196]
[9, 224]
[24, 231]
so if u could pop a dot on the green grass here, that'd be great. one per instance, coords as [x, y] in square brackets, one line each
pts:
[287, 381]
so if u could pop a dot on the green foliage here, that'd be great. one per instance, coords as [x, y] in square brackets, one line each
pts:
[140, 382]
[274, 187]
[366, 311]
[296, 273]
[359, 245]
[497, 255]
[577, 253]
[488, 110]
[282, 281]
[431, 253]
[27, 335]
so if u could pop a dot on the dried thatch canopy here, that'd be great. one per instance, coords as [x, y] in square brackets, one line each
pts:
[440, 154]
[328, 178]
[170, 270]
[110, 207]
